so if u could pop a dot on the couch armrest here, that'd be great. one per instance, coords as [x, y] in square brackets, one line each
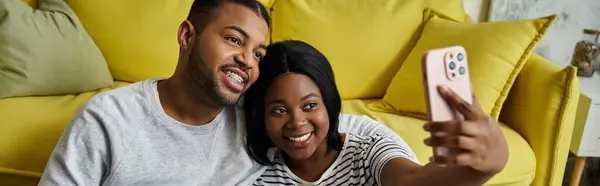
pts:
[541, 107]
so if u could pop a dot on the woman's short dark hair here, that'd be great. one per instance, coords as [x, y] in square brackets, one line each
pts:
[290, 56]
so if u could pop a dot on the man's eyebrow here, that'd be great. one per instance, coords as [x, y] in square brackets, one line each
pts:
[238, 29]
[263, 46]
[245, 34]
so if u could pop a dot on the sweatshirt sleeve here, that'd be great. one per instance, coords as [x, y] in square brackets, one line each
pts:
[80, 156]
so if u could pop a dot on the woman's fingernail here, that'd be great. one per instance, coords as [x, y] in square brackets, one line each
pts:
[441, 151]
[443, 88]
[439, 134]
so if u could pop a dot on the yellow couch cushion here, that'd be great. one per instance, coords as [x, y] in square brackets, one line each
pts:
[32, 3]
[31, 127]
[267, 3]
[46, 51]
[365, 41]
[521, 166]
[496, 52]
[137, 37]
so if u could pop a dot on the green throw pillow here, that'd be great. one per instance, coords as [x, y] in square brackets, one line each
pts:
[47, 51]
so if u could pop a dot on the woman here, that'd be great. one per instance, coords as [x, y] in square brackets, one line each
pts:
[293, 110]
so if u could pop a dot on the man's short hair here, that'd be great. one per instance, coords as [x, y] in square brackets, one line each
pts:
[202, 10]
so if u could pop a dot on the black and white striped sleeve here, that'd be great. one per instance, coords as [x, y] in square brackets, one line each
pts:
[381, 151]
[365, 126]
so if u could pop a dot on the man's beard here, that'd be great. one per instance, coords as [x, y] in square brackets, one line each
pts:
[208, 84]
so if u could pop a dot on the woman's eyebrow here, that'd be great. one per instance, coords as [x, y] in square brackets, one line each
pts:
[309, 96]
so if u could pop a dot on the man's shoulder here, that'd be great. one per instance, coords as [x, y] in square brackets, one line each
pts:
[117, 100]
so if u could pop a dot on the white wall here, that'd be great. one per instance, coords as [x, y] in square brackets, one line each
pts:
[477, 9]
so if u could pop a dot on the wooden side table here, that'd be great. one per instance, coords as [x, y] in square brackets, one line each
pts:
[586, 134]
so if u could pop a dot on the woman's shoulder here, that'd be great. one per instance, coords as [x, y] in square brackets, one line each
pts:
[364, 142]
[277, 167]
[369, 147]
[358, 124]
[350, 118]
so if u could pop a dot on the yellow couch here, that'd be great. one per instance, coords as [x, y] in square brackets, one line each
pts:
[137, 38]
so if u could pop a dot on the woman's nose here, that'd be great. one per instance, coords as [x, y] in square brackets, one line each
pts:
[298, 120]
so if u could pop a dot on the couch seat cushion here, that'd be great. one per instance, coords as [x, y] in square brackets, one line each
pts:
[31, 127]
[520, 169]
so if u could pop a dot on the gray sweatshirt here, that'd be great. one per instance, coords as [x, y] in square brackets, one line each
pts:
[124, 137]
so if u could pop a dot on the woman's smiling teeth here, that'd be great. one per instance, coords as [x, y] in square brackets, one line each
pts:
[235, 77]
[300, 138]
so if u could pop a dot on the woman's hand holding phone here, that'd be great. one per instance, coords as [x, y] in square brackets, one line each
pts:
[480, 142]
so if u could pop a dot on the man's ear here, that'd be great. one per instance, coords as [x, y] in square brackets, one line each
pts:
[186, 34]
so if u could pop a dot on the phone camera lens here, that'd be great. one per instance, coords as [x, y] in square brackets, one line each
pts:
[452, 65]
[461, 70]
[459, 57]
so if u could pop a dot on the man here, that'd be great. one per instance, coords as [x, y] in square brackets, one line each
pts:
[184, 130]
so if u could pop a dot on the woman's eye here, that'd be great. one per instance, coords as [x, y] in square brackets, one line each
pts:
[234, 40]
[310, 106]
[279, 111]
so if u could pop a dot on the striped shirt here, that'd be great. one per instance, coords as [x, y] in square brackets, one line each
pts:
[360, 162]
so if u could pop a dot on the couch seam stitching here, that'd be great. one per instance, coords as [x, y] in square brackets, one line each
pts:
[560, 120]
[518, 67]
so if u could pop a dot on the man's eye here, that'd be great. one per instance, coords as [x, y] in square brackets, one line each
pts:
[258, 55]
[234, 40]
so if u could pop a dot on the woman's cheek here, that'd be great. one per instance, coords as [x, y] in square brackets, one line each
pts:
[274, 127]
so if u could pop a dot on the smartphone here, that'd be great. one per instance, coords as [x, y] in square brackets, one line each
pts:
[445, 66]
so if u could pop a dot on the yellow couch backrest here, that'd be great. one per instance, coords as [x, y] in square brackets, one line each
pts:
[366, 41]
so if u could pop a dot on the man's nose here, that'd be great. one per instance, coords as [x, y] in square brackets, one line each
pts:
[244, 57]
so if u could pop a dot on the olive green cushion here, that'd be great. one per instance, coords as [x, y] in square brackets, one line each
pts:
[47, 51]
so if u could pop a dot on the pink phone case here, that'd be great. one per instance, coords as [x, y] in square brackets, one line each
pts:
[445, 66]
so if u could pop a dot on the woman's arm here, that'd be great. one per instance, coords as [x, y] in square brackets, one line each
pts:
[390, 165]
[482, 150]
[365, 126]
[403, 172]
